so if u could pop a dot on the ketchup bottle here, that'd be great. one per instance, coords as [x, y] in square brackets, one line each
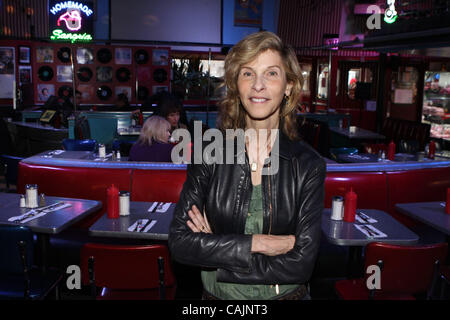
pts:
[113, 202]
[431, 149]
[391, 151]
[141, 119]
[350, 206]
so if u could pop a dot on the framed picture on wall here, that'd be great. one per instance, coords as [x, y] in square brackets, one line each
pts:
[45, 91]
[125, 90]
[44, 54]
[248, 13]
[25, 74]
[64, 73]
[159, 89]
[160, 57]
[24, 54]
[123, 55]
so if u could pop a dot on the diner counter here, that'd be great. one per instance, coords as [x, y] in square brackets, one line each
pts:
[87, 159]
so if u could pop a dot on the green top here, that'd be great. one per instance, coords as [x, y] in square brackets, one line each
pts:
[234, 291]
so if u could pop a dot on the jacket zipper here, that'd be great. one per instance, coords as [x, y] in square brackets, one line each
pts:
[270, 203]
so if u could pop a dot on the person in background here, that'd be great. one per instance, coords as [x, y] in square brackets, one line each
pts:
[152, 144]
[171, 108]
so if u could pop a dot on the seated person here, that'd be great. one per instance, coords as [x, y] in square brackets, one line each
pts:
[122, 103]
[152, 144]
[171, 108]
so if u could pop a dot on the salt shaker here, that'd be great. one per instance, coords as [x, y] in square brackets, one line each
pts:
[124, 203]
[31, 195]
[22, 202]
[118, 155]
[101, 151]
[337, 208]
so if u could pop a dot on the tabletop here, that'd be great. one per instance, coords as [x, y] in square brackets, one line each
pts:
[399, 157]
[37, 125]
[358, 134]
[344, 233]
[51, 223]
[430, 213]
[129, 131]
[118, 228]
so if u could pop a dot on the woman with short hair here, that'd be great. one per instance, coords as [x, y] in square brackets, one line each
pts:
[152, 144]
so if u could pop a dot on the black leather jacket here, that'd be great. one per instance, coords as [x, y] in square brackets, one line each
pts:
[292, 204]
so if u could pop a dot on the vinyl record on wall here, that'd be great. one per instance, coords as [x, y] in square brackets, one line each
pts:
[123, 74]
[104, 55]
[104, 93]
[84, 74]
[64, 54]
[45, 73]
[65, 91]
[141, 56]
[160, 75]
[142, 93]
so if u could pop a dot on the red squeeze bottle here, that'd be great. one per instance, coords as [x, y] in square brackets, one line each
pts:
[141, 119]
[113, 202]
[431, 149]
[391, 151]
[447, 205]
[350, 206]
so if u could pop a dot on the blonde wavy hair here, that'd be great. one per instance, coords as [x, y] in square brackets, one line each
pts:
[231, 112]
[154, 129]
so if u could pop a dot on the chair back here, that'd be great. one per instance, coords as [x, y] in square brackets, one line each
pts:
[11, 164]
[126, 267]
[405, 269]
[10, 237]
[79, 145]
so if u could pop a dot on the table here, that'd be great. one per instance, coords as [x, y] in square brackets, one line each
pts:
[52, 223]
[430, 213]
[344, 233]
[359, 134]
[118, 228]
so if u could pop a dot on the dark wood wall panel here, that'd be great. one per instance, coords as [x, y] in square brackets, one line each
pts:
[24, 18]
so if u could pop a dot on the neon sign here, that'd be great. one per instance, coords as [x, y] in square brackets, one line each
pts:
[61, 35]
[70, 20]
[390, 14]
[71, 4]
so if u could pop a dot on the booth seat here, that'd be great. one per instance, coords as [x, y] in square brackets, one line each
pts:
[416, 186]
[375, 189]
[371, 188]
[157, 185]
[74, 182]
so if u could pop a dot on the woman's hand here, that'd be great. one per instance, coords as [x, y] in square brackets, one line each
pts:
[271, 245]
[198, 222]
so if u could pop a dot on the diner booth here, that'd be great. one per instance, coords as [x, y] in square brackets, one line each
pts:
[376, 113]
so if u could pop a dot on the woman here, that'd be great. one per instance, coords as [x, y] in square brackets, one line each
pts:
[171, 108]
[152, 144]
[258, 235]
